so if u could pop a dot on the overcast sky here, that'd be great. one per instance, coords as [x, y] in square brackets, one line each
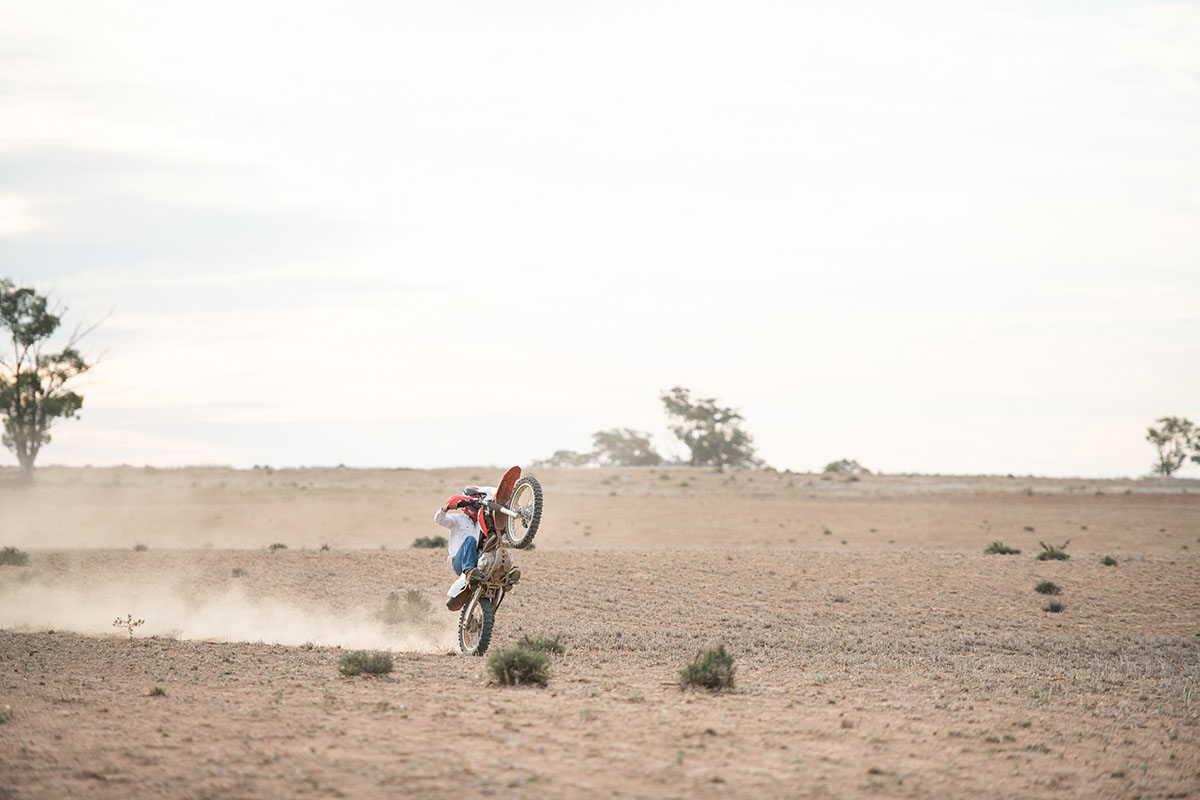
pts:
[931, 236]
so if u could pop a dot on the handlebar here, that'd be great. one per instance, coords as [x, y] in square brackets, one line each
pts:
[492, 505]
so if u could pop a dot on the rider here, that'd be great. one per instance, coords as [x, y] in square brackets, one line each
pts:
[464, 533]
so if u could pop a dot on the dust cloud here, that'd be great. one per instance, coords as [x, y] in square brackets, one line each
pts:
[228, 617]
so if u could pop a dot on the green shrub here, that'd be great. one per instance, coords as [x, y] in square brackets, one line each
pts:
[519, 665]
[1047, 587]
[430, 542]
[413, 608]
[157, 691]
[543, 644]
[277, 546]
[999, 549]
[1108, 561]
[712, 669]
[12, 557]
[356, 662]
[1052, 553]
[238, 572]
[1055, 607]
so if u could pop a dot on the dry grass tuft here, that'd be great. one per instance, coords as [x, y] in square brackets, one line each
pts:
[12, 557]
[519, 665]
[999, 549]
[1052, 553]
[712, 669]
[430, 542]
[358, 662]
[394, 612]
[543, 644]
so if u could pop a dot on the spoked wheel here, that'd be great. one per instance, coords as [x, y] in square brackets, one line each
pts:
[527, 502]
[475, 626]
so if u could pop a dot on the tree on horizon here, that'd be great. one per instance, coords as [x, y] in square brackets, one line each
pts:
[712, 433]
[34, 392]
[624, 447]
[1172, 440]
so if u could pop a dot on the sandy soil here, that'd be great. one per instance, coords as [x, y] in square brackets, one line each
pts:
[880, 653]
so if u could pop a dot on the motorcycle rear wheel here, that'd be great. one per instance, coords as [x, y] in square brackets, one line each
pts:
[526, 500]
[475, 631]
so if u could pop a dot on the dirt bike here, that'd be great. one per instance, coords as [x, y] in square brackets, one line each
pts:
[507, 520]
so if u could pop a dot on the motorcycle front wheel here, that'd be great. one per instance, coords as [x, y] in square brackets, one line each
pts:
[475, 627]
[526, 500]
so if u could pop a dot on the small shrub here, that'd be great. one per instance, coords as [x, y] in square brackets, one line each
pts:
[413, 608]
[357, 662]
[277, 546]
[1047, 587]
[1108, 561]
[5, 717]
[1028, 528]
[1052, 553]
[157, 691]
[543, 644]
[519, 665]
[712, 669]
[1054, 607]
[238, 572]
[140, 548]
[430, 542]
[12, 557]
[999, 549]
[325, 548]
[129, 623]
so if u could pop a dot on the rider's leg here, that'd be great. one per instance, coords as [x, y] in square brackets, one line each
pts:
[468, 554]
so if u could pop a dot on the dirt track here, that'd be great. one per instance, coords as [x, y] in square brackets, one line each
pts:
[901, 663]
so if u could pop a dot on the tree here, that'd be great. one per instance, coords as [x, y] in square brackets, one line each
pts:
[34, 391]
[1172, 439]
[565, 458]
[623, 447]
[846, 466]
[710, 432]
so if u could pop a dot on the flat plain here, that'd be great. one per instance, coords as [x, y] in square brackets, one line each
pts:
[879, 651]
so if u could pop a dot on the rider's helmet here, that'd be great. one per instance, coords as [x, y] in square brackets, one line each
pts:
[475, 492]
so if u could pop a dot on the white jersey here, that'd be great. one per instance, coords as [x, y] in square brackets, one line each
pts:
[460, 525]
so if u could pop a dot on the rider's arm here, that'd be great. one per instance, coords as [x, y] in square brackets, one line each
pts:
[441, 519]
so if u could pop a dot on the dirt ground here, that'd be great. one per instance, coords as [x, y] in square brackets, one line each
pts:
[879, 651]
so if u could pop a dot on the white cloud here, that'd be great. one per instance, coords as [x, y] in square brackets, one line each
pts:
[22, 215]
